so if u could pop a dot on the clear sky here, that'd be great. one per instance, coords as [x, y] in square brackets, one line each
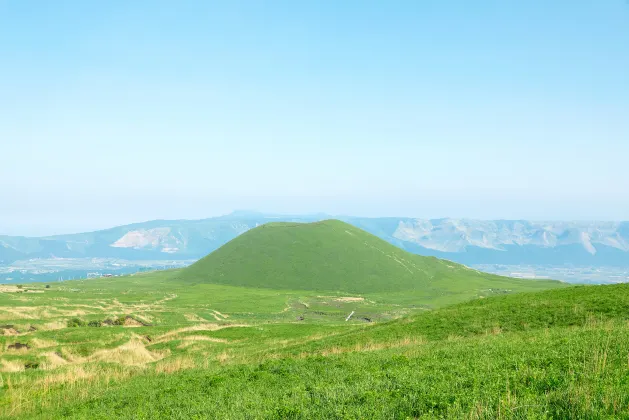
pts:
[119, 111]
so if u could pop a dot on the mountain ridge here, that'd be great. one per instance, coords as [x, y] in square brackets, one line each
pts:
[468, 241]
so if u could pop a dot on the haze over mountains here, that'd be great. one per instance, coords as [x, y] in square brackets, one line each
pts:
[461, 240]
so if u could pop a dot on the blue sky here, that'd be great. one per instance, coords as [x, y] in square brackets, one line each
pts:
[118, 111]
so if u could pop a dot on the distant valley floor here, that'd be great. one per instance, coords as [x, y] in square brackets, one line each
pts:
[60, 269]
[567, 273]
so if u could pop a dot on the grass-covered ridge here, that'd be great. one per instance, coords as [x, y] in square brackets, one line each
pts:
[553, 354]
[334, 256]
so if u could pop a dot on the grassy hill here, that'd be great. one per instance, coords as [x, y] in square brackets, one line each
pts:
[334, 256]
[260, 329]
[553, 354]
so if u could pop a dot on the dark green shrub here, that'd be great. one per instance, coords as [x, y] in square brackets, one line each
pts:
[47, 286]
[115, 321]
[31, 365]
[95, 323]
[76, 322]
[19, 286]
[120, 320]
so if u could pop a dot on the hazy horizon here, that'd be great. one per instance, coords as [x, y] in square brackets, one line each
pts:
[122, 112]
[53, 231]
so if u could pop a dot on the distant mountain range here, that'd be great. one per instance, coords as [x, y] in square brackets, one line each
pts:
[462, 240]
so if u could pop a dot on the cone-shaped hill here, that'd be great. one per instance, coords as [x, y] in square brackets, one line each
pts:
[334, 256]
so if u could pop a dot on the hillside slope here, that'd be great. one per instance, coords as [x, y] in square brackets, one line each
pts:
[335, 256]
[555, 354]
[572, 307]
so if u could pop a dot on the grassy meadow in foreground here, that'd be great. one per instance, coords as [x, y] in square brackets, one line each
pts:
[152, 324]
[554, 354]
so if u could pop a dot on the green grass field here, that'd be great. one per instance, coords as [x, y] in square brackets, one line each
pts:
[184, 344]
[556, 354]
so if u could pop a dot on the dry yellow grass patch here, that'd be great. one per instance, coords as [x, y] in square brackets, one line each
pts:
[216, 317]
[133, 353]
[190, 339]
[130, 322]
[83, 305]
[79, 378]
[495, 330]
[147, 319]
[174, 365]
[171, 335]
[220, 314]
[72, 312]
[53, 361]
[47, 314]
[70, 375]
[19, 312]
[223, 357]
[157, 304]
[54, 325]
[11, 366]
[8, 289]
[40, 343]
[194, 318]
[349, 299]
[72, 358]
[10, 331]
[38, 312]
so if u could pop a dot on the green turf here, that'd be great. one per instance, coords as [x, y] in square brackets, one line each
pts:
[555, 354]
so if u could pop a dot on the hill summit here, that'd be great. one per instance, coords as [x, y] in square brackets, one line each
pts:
[333, 256]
